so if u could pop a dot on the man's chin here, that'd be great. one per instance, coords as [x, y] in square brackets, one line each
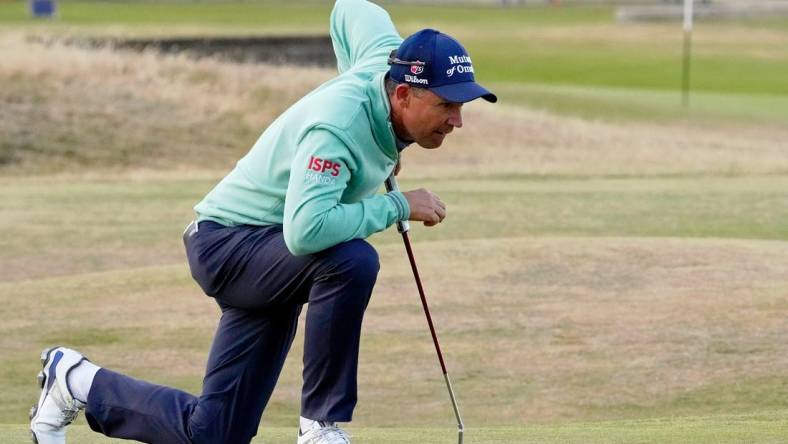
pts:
[431, 142]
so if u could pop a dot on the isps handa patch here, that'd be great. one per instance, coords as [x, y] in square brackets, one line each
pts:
[322, 171]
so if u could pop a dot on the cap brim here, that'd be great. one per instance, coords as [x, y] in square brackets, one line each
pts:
[464, 92]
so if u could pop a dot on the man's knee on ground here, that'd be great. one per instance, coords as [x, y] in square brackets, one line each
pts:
[211, 421]
[215, 429]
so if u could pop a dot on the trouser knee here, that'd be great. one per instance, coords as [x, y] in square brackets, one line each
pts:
[357, 260]
[211, 423]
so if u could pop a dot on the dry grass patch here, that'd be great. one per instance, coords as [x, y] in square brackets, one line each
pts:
[500, 139]
[66, 107]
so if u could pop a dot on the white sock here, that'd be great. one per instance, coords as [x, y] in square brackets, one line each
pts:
[307, 424]
[80, 379]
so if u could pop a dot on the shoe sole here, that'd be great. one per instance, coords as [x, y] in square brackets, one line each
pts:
[41, 379]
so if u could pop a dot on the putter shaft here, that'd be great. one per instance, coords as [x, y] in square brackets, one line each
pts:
[403, 228]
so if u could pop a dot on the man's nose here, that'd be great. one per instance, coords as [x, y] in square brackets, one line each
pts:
[455, 118]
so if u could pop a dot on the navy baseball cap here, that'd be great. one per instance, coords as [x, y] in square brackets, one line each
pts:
[433, 60]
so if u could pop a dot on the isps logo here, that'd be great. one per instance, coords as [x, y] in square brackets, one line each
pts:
[321, 166]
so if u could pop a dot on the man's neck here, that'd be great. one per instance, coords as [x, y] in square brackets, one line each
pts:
[403, 138]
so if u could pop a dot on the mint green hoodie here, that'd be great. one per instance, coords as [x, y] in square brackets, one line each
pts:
[317, 168]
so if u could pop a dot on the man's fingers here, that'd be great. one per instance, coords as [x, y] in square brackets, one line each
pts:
[437, 216]
[437, 200]
[441, 212]
[426, 207]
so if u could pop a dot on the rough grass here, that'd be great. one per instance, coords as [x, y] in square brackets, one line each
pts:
[65, 107]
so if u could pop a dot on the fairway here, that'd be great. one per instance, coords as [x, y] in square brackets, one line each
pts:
[611, 270]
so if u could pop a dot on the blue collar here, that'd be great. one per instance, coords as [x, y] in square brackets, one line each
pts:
[401, 144]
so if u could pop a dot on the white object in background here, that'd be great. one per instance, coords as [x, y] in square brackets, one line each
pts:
[685, 81]
[688, 15]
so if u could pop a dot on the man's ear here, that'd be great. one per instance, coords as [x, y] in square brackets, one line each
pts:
[403, 93]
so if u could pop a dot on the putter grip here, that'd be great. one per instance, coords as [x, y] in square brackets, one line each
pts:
[391, 185]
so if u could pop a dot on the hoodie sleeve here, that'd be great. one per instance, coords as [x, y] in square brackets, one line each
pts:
[315, 218]
[361, 32]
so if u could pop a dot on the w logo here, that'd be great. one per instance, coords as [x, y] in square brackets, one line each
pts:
[416, 69]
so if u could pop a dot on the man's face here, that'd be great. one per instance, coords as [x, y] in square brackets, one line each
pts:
[428, 118]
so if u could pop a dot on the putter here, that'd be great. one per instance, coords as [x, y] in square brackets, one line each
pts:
[403, 227]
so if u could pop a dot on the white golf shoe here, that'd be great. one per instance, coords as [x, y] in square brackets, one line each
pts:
[323, 433]
[56, 406]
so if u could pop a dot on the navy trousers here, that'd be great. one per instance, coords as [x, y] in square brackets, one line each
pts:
[260, 287]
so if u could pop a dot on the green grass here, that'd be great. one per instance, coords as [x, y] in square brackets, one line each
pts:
[767, 427]
[682, 207]
[260, 15]
[150, 214]
[622, 104]
[282, 13]
[640, 64]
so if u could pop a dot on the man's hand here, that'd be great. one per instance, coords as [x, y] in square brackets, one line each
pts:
[425, 206]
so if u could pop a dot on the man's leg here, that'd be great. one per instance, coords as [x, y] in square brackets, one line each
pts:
[247, 354]
[243, 368]
[337, 283]
[260, 288]
[345, 277]
[120, 406]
